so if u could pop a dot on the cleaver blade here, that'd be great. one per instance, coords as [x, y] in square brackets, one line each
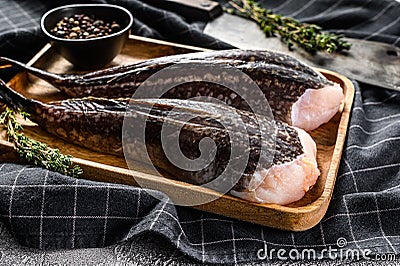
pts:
[369, 62]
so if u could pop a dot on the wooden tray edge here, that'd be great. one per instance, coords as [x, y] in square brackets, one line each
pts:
[166, 43]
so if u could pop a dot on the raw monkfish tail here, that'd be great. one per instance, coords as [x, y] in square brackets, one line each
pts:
[297, 94]
[97, 124]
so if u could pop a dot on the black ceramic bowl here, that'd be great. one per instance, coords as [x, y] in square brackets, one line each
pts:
[95, 52]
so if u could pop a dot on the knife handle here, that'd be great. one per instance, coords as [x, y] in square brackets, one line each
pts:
[191, 10]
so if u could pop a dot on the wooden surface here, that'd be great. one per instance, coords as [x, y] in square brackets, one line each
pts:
[297, 216]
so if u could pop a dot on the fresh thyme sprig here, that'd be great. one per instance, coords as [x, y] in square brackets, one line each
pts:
[308, 36]
[34, 151]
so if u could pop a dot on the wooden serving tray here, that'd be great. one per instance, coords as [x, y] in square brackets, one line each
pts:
[298, 216]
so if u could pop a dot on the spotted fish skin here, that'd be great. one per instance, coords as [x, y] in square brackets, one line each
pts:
[97, 124]
[281, 78]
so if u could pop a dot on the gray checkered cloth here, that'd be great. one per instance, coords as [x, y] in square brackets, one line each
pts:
[49, 211]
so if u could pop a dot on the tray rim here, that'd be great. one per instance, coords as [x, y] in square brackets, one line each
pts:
[317, 207]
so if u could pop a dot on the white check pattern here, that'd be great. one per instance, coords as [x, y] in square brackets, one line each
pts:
[49, 211]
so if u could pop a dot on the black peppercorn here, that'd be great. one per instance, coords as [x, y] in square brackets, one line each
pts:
[83, 26]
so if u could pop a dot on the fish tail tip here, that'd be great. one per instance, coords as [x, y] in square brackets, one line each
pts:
[5, 59]
[5, 62]
[13, 98]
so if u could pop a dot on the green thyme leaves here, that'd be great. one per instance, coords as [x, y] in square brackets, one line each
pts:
[35, 152]
[308, 36]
